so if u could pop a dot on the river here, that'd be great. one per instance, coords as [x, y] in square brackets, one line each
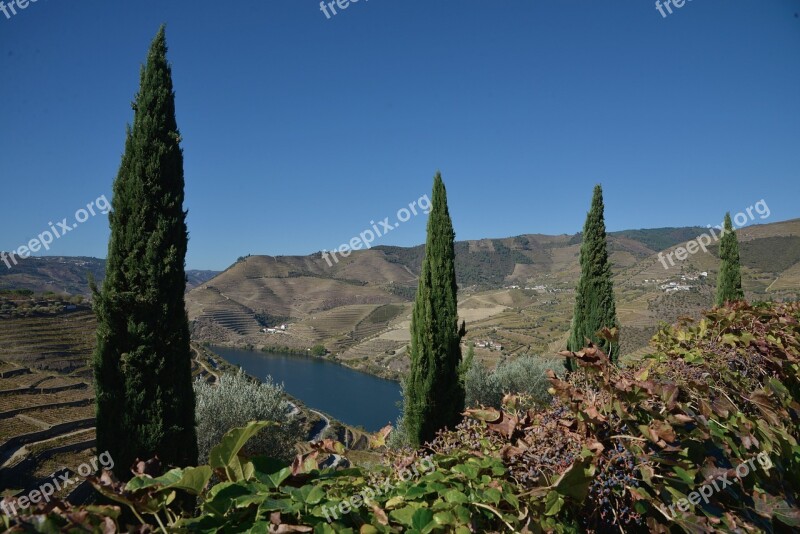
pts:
[352, 397]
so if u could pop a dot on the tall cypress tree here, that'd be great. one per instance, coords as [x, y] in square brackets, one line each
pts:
[434, 394]
[729, 280]
[142, 362]
[595, 306]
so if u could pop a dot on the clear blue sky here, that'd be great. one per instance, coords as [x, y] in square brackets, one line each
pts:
[299, 130]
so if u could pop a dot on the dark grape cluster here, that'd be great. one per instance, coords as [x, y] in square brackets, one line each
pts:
[609, 505]
[470, 435]
[552, 449]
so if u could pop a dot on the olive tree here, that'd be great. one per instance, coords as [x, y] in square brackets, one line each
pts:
[233, 402]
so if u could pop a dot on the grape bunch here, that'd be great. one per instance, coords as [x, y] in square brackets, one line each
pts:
[609, 505]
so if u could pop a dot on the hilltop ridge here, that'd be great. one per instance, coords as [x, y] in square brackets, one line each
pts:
[515, 292]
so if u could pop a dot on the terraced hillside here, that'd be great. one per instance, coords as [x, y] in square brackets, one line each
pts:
[516, 294]
[61, 342]
[46, 393]
[45, 417]
[47, 426]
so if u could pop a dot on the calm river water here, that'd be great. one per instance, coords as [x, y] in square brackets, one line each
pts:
[353, 397]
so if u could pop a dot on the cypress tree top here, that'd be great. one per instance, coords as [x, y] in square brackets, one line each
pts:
[729, 280]
[595, 306]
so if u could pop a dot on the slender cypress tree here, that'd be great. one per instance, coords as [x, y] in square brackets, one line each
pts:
[729, 280]
[594, 297]
[434, 394]
[142, 362]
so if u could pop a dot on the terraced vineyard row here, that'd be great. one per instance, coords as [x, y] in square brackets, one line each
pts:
[47, 399]
[61, 343]
[233, 318]
[377, 321]
[340, 321]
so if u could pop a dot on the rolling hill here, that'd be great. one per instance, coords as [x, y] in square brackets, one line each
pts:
[516, 293]
[68, 274]
[516, 297]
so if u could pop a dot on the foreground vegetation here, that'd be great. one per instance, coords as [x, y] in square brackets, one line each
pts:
[525, 375]
[234, 400]
[626, 450]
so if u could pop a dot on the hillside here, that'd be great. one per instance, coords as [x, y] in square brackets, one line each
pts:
[68, 274]
[699, 436]
[46, 391]
[515, 293]
[47, 409]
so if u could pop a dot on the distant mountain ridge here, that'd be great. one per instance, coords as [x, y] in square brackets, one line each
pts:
[481, 264]
[294, 286]
[516, 292]
[69, 274]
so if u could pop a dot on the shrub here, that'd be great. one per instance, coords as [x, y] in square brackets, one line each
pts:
[481, 386]
[525, 375]
[700, 436]
[658, 447]
[456, 493]
[237, 400]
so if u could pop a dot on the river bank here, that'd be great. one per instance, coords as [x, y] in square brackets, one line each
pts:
[356, 365]
[356, 398]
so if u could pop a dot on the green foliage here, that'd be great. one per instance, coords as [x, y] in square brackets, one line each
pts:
[658, 239]
[771, 254]
[480, 386]
[441, 493]
[142, 361]
[632, 449]
[21, 292]
[767, 254]
[514, 256]
[619, 450]
[466, 363]
[319, 350]
[233, 402]
[595, 307]
[281, 349]
[729, 279]
[434, 395]
[525, 375]
[404, 292]
[267, 320]
[481, 268]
